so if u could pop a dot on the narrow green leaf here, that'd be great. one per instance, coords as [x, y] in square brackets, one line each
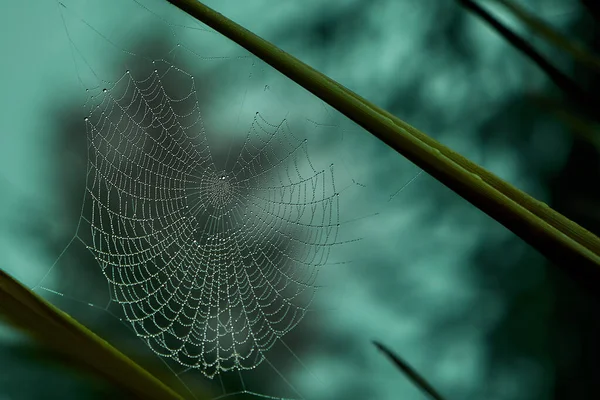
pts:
[561, 240]
[578, 125]
[576, 50]
[576, 94]
[27, 311]
[412, 375]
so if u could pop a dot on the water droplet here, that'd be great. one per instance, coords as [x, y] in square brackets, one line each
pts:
[104, 90]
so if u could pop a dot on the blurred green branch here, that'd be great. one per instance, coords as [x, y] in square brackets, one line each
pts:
[561, 240]
[585, 101]
[407, 370]
[74, 342]
[577, 118]
[576, 50]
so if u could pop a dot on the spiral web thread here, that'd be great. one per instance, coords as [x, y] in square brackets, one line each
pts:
[210, 265]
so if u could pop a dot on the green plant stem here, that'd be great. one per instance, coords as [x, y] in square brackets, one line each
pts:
[558, 238]
[413, 375]
[577, 51]
[575, 93]
[56, 329]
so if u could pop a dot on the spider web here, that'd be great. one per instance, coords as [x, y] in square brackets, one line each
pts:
[212, 256]
[211, 245]
[211, 265]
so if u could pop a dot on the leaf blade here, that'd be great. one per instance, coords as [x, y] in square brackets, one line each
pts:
[545, 31]
[410, 373]
[28, 312]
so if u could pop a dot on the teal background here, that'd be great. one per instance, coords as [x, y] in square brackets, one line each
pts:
[470, 306]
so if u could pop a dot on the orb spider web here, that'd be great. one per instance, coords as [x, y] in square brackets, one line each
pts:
[210, 265]
[211, 244]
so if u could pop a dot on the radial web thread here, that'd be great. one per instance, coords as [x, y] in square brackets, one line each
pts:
[211, 263]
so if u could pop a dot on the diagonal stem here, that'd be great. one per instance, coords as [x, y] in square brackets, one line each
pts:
[56, 329]
[413, 375]
[552, 36]
[561, 240]
[576, 94]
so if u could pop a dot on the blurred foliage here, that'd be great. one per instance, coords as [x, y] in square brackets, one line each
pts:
[555, 320]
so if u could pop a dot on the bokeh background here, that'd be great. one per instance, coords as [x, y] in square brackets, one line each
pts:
[475, 310]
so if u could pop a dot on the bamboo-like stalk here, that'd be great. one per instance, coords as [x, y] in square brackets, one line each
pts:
[75, 343]
[561, 240]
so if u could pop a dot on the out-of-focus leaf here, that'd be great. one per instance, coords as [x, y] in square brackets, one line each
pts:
[27, 311]
[576, 50]
[407, 370]
[576, 94]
